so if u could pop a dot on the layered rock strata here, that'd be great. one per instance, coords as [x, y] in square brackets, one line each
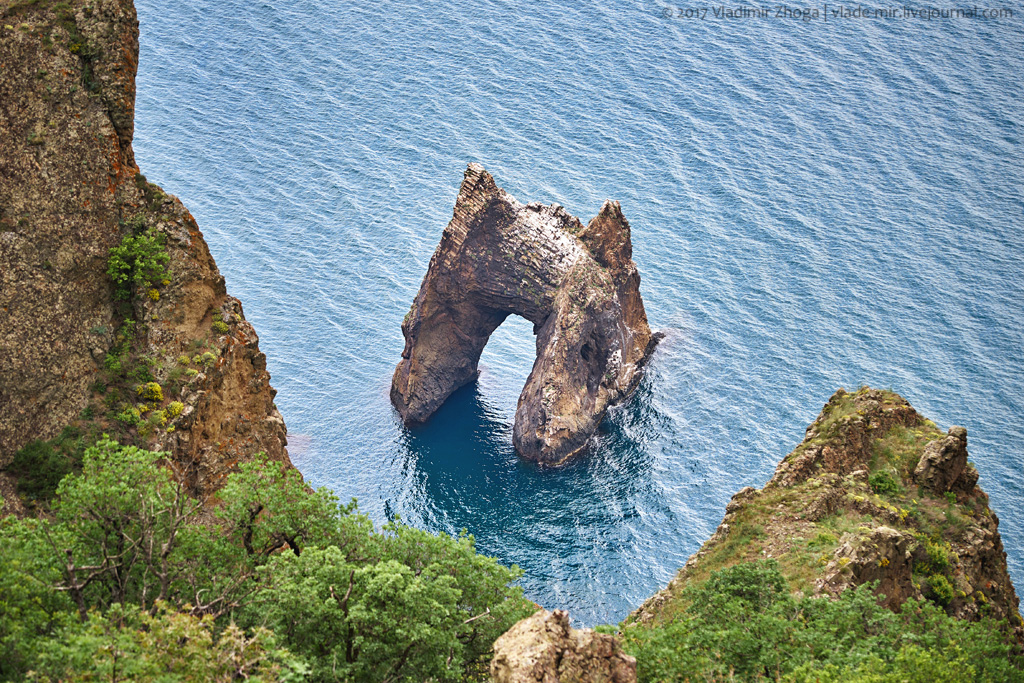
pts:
[69, 191]
[543, 648]
[874, 493]
[576, 283]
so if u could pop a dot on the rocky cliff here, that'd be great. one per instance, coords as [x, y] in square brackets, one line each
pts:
[874, 493]
[576, 283]
[74, 348]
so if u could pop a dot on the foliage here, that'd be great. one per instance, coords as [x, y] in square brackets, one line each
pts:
[939, 557]
[30, 610]
[127, 644]
[150, 391]
[883, 483]
[219, 325]
[139, 260]
[175, 408]
[123, 522]
[132, 570]
[267, 507]
[116, 360]
[743, 624]
[431, 618]
[129, 416]
[941, 588]
[40, 465]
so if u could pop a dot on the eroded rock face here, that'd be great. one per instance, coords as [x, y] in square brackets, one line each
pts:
[944, 466]
[578, 286]
[543, 648]
[874, 493]
[68, 185]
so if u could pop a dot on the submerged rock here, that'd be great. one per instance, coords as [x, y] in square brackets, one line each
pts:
[576, 283]
[543, 648]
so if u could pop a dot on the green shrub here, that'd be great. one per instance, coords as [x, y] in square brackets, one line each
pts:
[131, 644]
[140, 372]
[883, 483]
[131, 570]
[113, 363]
[823, 539]
[938, 557]
[220, 326]
[139, 260]
[174, 408]
[129, 416]
[151, 391]
[40, 465]
[743, 624]
[208, 359]
[941, 589]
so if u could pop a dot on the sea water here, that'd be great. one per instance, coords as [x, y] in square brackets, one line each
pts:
[816, 202]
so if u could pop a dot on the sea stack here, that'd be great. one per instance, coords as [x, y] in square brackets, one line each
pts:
[576, 283]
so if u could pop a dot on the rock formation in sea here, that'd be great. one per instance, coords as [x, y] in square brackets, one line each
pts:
[576, 283]
[71, 352]
[874, 492]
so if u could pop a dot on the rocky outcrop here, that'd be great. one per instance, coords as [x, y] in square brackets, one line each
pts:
[944, 466]
[69, 191]
[874, 493]
[543, 648]
[578, 286]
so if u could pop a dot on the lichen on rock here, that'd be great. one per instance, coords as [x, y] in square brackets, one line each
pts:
[576, 283]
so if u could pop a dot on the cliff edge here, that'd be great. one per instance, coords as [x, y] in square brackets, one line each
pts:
[874, 493]
[162, 357]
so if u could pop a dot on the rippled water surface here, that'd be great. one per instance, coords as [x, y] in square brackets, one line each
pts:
[814, 205]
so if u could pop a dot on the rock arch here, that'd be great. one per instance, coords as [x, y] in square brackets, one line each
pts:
[578, 286]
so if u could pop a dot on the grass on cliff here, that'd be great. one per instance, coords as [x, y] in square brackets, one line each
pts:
[744, 624]
[803, 527]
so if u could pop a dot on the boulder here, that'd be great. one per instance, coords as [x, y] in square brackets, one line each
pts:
[543, 648]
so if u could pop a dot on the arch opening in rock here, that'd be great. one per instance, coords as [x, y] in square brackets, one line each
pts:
[577, 284]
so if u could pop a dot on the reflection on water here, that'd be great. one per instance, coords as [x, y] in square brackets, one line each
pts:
[460, 471]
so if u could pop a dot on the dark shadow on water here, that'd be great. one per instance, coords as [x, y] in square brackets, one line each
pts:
[585, 521]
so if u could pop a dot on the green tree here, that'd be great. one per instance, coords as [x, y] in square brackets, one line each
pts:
[384, 619]
[31, 611]
[127, 545]
[127, 644]
[743, 624]
[120, 527]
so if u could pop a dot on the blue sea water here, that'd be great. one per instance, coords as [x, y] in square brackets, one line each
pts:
[814, 204]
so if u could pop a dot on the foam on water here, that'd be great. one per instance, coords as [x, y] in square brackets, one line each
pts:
[814, 205]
